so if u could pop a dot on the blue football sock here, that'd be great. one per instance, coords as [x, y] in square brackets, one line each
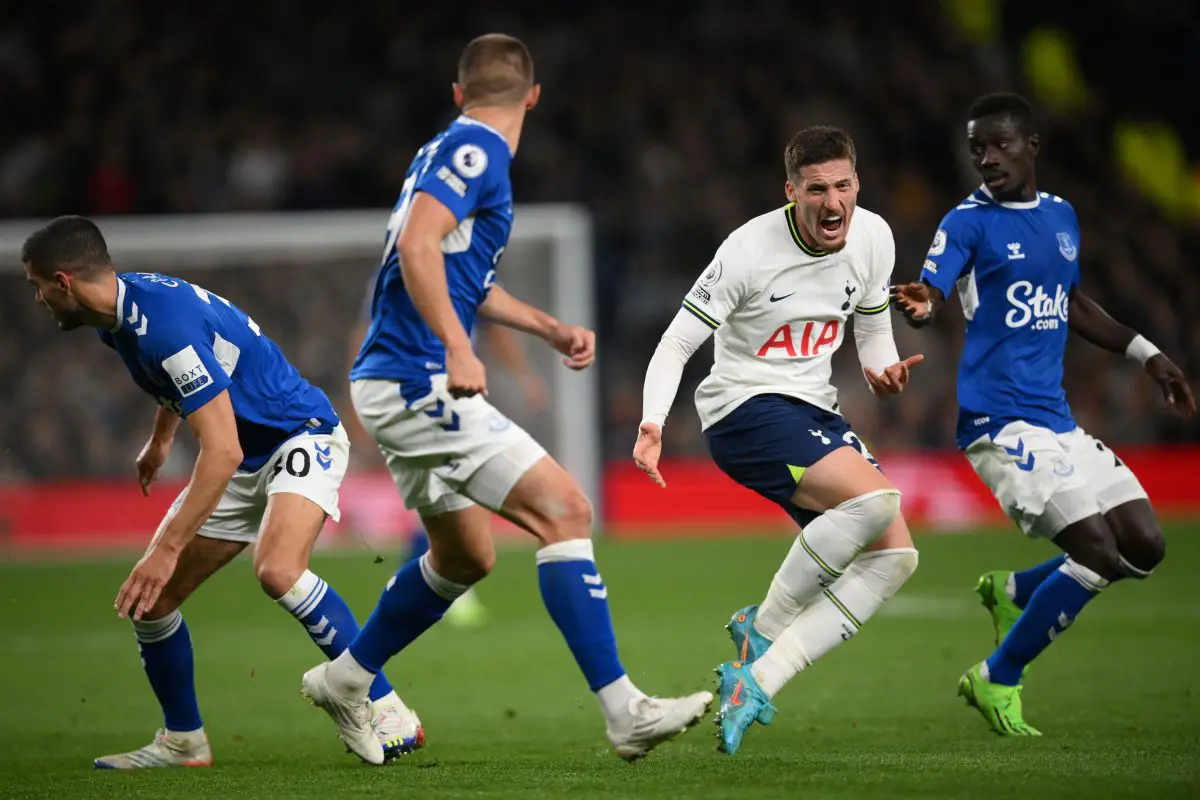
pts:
[414, 599]
[1027, 581]
[166, 648]
[577, 601]
[1052, 608]
[328, 620]
[418, 544]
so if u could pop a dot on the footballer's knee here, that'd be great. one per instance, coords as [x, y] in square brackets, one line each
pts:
[461, 548]
[869, 514]
[887, 570]
[895, 536]
[166, 605]
[563, 518]
[1140, 541]
[1144, 553]
[1091, 543]
[277, 576]
[465, 568]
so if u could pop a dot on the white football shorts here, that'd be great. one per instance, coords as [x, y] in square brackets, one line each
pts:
[310, 465]
[445, 453]
[1046, 481]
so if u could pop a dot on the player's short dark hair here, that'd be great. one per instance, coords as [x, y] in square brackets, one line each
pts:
[67, 244]
[1008, 104]
[495, 69]
[816, 145]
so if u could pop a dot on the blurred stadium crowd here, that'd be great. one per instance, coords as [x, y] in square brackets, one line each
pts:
[668, 126]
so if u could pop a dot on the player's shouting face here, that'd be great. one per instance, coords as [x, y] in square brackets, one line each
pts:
[825, 195]
[1003, 155]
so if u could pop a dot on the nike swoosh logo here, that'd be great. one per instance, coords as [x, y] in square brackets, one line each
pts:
[775, 299]
[736, 699]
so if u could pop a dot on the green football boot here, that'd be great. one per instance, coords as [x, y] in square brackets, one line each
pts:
[999, 704]
[1004, 611]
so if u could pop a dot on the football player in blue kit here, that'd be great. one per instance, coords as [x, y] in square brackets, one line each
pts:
[271, 462]
[468, 611]
[420, 391]
[1012, 252]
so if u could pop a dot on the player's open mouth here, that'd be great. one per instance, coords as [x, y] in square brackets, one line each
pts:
[995, 181]
[831, 224]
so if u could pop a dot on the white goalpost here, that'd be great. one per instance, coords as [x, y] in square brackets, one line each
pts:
[548, 262]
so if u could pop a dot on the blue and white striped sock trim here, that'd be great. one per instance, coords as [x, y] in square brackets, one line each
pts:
[305, 596]
[157, 630]
[1088, 579]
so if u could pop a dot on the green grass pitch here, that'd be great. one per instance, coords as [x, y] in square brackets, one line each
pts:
[507, 714]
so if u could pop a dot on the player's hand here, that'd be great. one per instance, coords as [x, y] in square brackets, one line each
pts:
[154, 454]
[894, 378]
[1175, 388]
[647, 450]
[576, 343]
[914, 301]
[145, 583]
[465, 374]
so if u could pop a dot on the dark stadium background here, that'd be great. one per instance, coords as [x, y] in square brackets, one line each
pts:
[666, 121]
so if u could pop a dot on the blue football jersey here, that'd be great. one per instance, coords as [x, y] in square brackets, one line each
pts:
[466, 168]
[1014, 265]
[364, 311]
[184, 346]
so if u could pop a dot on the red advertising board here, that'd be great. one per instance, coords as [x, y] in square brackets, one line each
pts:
[940, 493]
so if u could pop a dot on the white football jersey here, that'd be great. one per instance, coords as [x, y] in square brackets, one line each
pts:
[779, 308]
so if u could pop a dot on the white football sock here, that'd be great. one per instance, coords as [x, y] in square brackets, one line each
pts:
[149, 631]
[307, 594]
[820, 553]
[348, 677]
[836, 616]
[615, 698]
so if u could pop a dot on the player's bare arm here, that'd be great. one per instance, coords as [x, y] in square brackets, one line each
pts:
[919, 302]
[1093, 323]
[576, 343]
[424, 270]
[220, 453]
[157, 448]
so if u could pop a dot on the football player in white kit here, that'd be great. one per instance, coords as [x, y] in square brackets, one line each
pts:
[778, 294]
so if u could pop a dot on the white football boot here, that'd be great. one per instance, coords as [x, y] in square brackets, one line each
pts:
[654, 720]
[352, 717]
[397, 726]
[169, 749]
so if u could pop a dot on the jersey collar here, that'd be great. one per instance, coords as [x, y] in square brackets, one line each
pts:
[795, 231]
[1024, 204]
[463, 119]
[120, 306]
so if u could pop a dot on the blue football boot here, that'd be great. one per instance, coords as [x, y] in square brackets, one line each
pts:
[742, 702]
[750, 645]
